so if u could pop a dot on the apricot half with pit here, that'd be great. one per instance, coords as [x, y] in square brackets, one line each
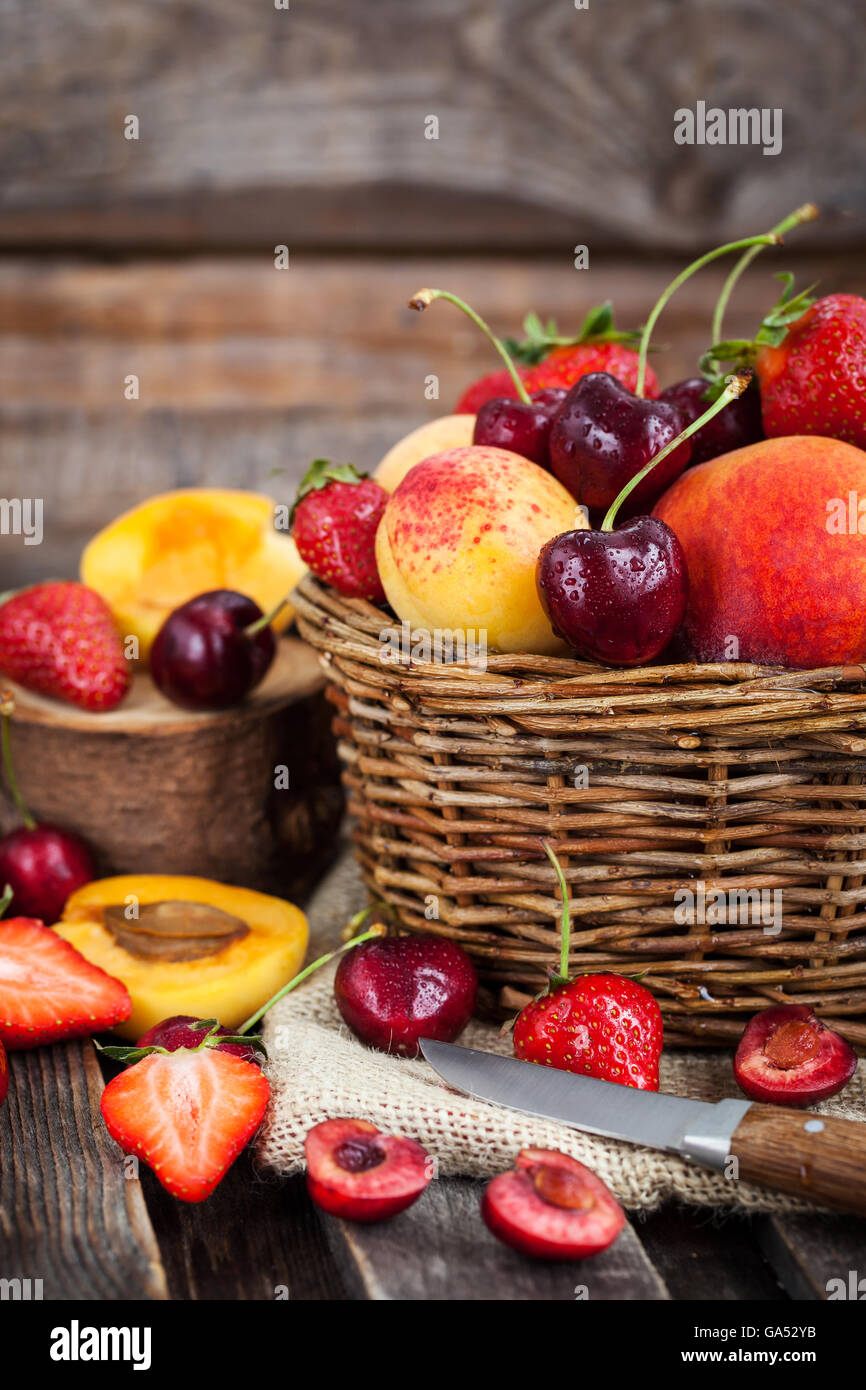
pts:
[186, 945]
[164, 552]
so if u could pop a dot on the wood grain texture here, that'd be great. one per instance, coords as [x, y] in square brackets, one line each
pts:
[245, 370]
[68, 1214]
[828, 1166]
[157, 789]
[440, 1250]
[814, 1256]
[306, 124]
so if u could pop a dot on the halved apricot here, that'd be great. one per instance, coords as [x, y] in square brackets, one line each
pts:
[186, 945]
[180, 544]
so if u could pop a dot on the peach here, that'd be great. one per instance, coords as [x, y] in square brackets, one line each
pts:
[447, 432]
[459, 540]
[775, 541]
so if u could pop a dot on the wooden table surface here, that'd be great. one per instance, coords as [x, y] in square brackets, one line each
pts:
[95, 1226]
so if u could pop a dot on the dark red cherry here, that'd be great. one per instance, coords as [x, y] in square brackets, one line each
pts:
[736, 426]
[394, 990]
[787, 1056]
[43, 865]
[356, 1172]
[617, 597]
[523, 429]
[177, 1032]
[205, 657]
[604, 434]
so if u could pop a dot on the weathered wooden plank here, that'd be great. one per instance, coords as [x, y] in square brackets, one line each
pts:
[706, 1256]
[69, 1214]
[252, 1240]
[307, 123]
[808, 1253]
[440, 1249]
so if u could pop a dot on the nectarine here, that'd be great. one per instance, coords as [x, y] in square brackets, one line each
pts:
[776, 552]
[459, 540]
[446, 432]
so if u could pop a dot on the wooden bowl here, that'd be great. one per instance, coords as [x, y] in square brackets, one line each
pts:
[157, 789]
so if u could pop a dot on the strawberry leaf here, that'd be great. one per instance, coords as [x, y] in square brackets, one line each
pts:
[128, 1054]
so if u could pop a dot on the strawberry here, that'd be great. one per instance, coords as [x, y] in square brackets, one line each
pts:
[187, 1114]
[566, 365]
[813, 380]
[49, 992]
[602, 1025]
[550, 361]
[490, 387]
[334, 522]
[60, 639]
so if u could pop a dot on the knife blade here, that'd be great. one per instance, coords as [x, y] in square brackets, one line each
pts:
[700, 1131]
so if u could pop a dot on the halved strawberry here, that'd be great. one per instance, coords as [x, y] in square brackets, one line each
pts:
[187, 1115]
[49, 992]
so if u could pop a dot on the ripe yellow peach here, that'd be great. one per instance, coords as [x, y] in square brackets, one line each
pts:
[172, 547]
[459, 540]
[448, 432]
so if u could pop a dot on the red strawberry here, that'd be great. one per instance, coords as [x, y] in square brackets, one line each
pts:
[49, 992]
[4, 1073]
[491, 387]
[187, 1115]
[334, 522]
[814, 380]
[602, 1025]
[60, 639]
[566, 365]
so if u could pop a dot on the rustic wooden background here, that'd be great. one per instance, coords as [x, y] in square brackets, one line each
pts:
[305, 127]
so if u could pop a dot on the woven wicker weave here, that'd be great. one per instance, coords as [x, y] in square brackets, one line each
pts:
[647, 783]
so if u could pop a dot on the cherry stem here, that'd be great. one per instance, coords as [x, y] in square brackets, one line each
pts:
[735, 387]
[7, 705]
[565, 920]
[423, 298]
[378, 930]
[768, 239]
[807, 213]
[265, 620]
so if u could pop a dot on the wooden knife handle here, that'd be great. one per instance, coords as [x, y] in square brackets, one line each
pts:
[817, 1157]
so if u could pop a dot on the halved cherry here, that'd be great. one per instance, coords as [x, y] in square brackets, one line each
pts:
[355, 1171]
[787, 1056]
[551, 1206]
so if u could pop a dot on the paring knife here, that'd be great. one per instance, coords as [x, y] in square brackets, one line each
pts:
[820, 1158]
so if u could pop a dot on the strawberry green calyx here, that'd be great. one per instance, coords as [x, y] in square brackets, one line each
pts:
[6, 899]
[212, 1038]
[740, 353]
[422, 299]
[320, 473]
[541, 338]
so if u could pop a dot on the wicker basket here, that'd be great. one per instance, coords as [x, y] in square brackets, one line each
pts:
[656, 787]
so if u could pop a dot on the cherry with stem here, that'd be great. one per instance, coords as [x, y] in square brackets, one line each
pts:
[522, 426]
[617, 596]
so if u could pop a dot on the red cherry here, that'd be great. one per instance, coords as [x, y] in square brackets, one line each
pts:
[552, 1207]
[394, 990]
[604, 435]
[212, 651]
[43, 865]
[617, 597]
[176, 1032]
[740, 424]
[787, 1056]
[520, 428]
[356, 1172]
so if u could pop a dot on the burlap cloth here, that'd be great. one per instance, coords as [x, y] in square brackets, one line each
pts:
[318, 1070]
